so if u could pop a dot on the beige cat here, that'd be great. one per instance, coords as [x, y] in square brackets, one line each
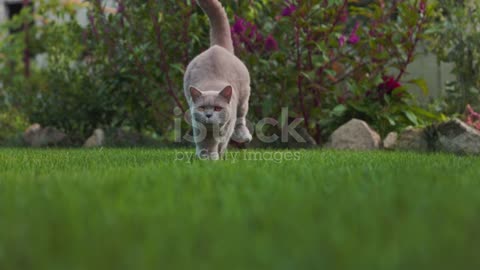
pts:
[217, 87]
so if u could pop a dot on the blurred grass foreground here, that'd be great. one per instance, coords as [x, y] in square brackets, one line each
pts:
[155, 209]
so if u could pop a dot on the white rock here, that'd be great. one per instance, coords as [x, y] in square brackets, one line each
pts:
[37, 136]
[355, 135]
[390, 141]
[96, 140]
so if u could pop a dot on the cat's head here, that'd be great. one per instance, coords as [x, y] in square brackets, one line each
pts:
[211, 107]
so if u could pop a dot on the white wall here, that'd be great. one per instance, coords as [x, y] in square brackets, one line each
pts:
[426, 66]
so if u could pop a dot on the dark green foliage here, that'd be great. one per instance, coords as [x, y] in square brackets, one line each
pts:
[326, 61]
[337, 60]
[456, 40]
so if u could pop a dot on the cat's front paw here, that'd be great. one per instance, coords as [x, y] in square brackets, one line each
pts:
[214, 156]
[242, 134]
[206, 155]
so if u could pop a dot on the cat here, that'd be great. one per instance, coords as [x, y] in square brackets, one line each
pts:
[217, 88]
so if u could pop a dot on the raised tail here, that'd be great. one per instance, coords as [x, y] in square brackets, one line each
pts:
[219, 26]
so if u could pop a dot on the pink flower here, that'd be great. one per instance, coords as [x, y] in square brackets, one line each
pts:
[473, 118]
[342, 40]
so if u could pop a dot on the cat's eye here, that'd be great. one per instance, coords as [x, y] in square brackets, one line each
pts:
[218, 109]
[201, 109]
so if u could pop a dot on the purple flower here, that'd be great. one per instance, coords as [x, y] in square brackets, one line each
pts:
[239, 26]
[271, 44]
[289, 10]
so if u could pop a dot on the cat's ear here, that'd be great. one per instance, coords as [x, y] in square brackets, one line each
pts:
[195, 93]
[227, 93]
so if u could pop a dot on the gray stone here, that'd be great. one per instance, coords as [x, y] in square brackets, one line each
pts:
[390, 141]
[96, 140]
[457, 137]
[36, 136]
[355, 135]
[412, 139]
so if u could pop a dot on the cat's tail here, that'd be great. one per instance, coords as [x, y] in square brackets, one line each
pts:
[219, 26]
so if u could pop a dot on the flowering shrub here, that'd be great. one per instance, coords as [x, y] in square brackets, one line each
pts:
[124, 68]
[472, 117]
[333, 60]
[327, 61]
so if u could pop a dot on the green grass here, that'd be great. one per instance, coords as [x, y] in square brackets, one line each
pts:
[142, 209]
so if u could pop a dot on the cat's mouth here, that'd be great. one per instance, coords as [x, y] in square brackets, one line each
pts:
[211, 124]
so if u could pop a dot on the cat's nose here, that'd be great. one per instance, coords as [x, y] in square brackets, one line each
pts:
[208, 115]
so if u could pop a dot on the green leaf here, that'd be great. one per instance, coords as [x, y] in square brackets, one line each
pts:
[309, 75]
[178, 67]
[411, 117]
[425, 113]
[390, 120]
[339, 110]
[422, 84]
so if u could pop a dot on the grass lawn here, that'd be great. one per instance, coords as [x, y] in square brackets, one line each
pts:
[143, 209]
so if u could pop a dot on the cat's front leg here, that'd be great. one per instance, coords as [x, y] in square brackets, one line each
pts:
[241, 133]
[222, 148]
[208, 150]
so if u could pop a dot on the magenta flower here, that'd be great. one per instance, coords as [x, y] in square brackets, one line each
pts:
[271, 44]
[387, 87]
[423, 6]
[289, 10]
[354, 38]
[389, 84]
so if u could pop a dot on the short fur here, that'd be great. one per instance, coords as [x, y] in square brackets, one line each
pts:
[217, 87]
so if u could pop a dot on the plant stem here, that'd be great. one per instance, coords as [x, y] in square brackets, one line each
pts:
[26, 52]
[300, 77]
